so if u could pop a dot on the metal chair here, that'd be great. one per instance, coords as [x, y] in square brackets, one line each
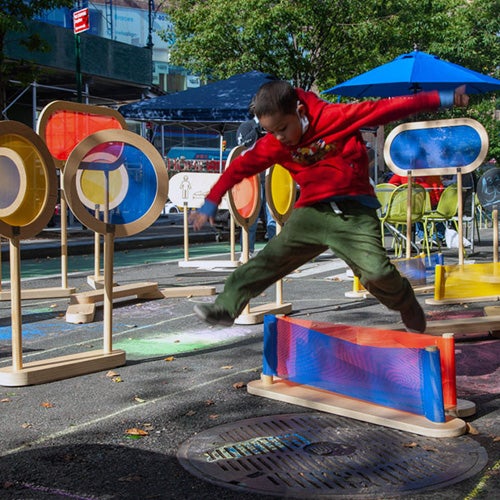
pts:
[383, 192]
[396, 217]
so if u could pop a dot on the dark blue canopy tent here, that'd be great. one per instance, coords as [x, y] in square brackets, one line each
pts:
[217, 105]
[220, 106]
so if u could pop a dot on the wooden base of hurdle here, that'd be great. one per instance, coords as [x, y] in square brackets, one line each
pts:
[41, 372]
[40, 293]
[83, 305]
[256, 314]
[322, 400]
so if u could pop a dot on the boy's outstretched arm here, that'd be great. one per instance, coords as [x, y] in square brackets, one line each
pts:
[205, 213]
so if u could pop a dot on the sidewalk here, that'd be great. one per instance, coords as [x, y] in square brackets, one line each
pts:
[117, 435]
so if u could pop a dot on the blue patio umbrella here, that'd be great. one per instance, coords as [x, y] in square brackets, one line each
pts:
[413, 72]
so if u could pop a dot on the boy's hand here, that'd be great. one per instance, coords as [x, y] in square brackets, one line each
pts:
[461, 99]
[198, 219]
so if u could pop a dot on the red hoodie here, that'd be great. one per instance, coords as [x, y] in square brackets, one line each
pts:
[330, 160]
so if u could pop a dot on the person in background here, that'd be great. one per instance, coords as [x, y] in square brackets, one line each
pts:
[247, 134]
[321, 145]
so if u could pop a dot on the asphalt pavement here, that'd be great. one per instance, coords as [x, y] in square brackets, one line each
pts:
[116, 434]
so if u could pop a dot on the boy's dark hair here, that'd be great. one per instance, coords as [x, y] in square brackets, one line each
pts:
[277, 96]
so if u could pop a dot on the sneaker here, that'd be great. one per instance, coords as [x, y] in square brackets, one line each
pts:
[213, 314]
[414, 318]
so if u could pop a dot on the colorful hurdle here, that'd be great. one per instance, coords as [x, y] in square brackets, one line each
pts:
[395, 379]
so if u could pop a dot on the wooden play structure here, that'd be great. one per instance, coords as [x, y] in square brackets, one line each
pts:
[396, 379]
[440, 147]
[30, 182]
[244, 203]
[476, 281]
[188, 190]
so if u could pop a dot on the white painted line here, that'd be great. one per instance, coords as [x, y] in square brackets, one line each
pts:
[313, 268]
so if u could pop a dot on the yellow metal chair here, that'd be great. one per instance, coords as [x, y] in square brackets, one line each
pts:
[383, 192]
[445, 212]
[396, 216]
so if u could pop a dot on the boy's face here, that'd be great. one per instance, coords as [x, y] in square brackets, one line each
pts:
[286, 128]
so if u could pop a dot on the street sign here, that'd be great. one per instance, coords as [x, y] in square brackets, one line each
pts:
[81, 21]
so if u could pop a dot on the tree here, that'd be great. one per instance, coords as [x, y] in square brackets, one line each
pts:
[14, 16]
[319, 43]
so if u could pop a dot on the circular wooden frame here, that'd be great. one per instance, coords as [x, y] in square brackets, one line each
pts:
[48, 112]
[70, 181]
[48, 169]
[274, 181]
[233, 208]
[456, 122]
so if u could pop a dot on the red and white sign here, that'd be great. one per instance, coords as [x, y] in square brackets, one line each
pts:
[81, 21]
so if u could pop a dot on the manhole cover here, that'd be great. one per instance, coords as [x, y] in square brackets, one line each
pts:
[313, 455]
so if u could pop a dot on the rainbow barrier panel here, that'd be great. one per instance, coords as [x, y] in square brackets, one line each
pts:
[396, 379]
[466, 282]
[280, 196]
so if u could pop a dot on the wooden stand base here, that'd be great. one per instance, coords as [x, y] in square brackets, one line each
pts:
[330, 402]
[209, 264]
[462, 300]
[48, 370]
[39, 293]
[464, 409]
[83, 305]
[256, 314]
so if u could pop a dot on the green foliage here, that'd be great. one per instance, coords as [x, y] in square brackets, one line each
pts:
[318, 44]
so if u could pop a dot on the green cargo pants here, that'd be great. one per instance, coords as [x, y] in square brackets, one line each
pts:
[353, 235]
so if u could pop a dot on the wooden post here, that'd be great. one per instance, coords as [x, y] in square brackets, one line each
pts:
[494, 217]
[64, 237]
[186, 231]
[97, 249]
[15, 293]
[460, 216]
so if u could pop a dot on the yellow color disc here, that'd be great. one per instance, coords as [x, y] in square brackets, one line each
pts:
[32, 189]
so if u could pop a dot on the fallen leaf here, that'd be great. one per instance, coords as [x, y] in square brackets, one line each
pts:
[111, 373]
[26, 425]
[471, 429]
[169, 358]
[410, 445]
[496, 439]
[137, 399]
[209, 402]
[239, 385]
[117, 379]
[214, 416]
[134, 431]
[46, 404]
[5, 400]
[190, 413]
[227, 367]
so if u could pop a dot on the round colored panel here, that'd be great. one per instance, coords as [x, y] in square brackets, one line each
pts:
[116, 177]
[280, 193]
[63, 125]
[29, 183]
[244, 198]
[438, 147]
[488, 189]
